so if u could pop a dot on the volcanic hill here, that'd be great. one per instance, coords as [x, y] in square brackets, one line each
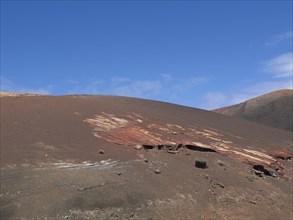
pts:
[108, 157]
[274, 109]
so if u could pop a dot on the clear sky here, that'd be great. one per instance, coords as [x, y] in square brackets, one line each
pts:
[204, 54]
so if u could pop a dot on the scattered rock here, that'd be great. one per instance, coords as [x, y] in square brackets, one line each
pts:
[101, 151]
[157, 171]
[201, 163]
[220, 184]
[271, 172]
[138, 147]
[119, 173]
[260, 170]
[66, 217]
[253, 202]
[141, 156]
[174, 133]
[258, 173]
[221, 163]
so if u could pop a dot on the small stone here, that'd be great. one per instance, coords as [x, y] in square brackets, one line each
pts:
[271, 172]
[174, 133]
[66, 217]
[138, 147]
[101, 151]
[141, 156]
[119, 173]
[157, 171]
[220, 184]
[258, 173]
[201, 163]
[221, 163]
[253, 202]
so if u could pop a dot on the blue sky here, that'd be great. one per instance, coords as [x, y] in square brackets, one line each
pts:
[204, 54]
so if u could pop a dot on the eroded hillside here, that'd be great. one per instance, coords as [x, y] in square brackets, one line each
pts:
[107, 157]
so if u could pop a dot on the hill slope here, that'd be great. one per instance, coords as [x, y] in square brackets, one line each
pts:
[273, 109]
[97, 157]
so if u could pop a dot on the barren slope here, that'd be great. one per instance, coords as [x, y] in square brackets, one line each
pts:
[273, 109]
[95, 157]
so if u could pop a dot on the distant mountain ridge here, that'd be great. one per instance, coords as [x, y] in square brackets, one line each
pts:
[273, 109]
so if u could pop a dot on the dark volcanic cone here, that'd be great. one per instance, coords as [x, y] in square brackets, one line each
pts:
[274, 109]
